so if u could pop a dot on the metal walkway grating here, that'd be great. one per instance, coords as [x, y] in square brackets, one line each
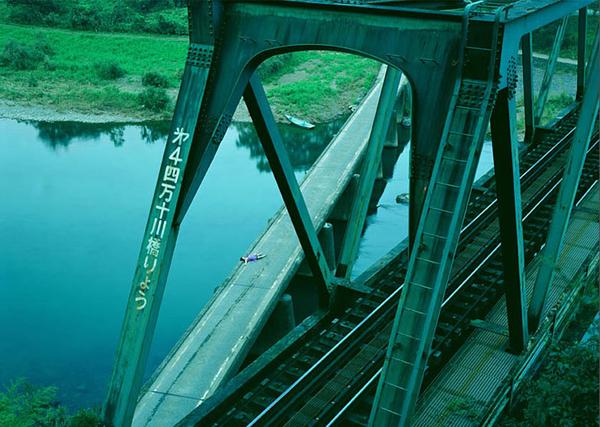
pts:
[474, 374]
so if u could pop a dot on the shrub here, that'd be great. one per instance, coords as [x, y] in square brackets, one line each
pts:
[43, 46]
[40, 6]
[22, 404]
[45, 12]
[86, 418]
[109, 70]
[155, 80]
[148, 5]
[566, 391]
[122, 18]
[19, 56]
[86, 18]
[273, 65]
[167, 25]
[154, 99]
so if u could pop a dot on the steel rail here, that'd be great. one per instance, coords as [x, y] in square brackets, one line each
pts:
[527, 175]
[325, 362]
[534, 158]
[544, 199]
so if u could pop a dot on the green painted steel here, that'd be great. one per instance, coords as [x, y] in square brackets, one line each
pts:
[437, 235]
[528, 86]
[549, 72]
[155, 255]
[416, 40]
[426, 46]
[593, 53]
[265, 125]
[368, 172]
[566, 195]
[581, 36]
[508, 187]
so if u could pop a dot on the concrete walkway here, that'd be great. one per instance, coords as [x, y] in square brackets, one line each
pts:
[216, 344]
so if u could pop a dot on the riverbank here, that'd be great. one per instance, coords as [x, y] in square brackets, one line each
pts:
[99, 77]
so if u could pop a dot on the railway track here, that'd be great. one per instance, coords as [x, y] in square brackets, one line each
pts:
[328, 376]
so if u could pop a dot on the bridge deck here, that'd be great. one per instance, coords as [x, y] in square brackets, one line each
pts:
[215, 345]
[472, 378]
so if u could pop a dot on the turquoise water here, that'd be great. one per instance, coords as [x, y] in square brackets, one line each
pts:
[74, 201]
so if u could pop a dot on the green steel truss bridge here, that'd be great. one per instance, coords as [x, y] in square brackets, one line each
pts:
[481, 258]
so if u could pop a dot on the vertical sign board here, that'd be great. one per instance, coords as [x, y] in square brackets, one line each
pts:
[156, 251]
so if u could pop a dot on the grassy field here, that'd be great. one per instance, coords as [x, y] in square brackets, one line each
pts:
[69, 80]
[314, 85]
[319, 85]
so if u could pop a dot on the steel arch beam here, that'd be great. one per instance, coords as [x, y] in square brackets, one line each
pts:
[427, 58]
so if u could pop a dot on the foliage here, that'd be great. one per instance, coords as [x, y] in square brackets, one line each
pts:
[70, 81]
[554, 105]
[153, 16]
[24, 405]
[315, 85]
[149, 5]
[109, 70]
[87, 18]
[543, 38]
[154, 79]
[272, 66]
[169, 25]
[154, 99]
[565, 393]
[319, 85]
[46, 12]
[86, 418]
[464, 409]
[19, 56]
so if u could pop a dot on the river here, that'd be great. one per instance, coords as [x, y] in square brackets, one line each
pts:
[75, 198]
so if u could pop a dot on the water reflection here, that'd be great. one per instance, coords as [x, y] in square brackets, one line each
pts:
[303, 146]
[75, 224]
[62, 134]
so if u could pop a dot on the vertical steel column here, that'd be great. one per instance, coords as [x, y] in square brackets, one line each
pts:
[157, 249]
[528, 86]
[437, 234]
[566, 195]
[262, 117]
[508, 187]
[368, 173]
[581, 36]
[549, 72]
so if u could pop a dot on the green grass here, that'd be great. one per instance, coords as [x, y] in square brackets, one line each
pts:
[319, 85]
[554, 105]
[315, 85]
[73, 83]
